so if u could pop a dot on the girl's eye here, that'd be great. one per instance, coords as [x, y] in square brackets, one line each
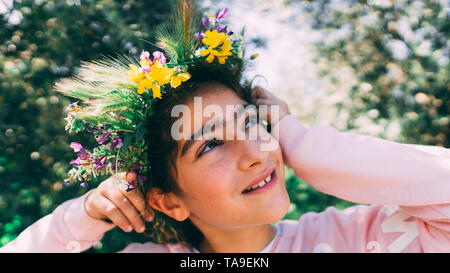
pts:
[250, 121]
[211, 144]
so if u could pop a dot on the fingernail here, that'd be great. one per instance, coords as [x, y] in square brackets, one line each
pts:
[148, 215]
[141, 229]
[129, 228]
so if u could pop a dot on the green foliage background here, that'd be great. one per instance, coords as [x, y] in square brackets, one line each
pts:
[54, 36]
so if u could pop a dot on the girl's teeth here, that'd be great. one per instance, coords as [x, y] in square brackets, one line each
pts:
[260, 184]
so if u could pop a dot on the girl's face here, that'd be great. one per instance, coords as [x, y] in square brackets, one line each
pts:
[214, 174]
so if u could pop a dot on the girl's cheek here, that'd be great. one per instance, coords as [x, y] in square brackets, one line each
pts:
[206, 181]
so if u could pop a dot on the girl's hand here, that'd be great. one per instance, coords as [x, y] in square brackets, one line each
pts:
[263, 97]
[110, 201]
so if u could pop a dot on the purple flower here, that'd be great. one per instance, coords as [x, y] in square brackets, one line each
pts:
[199, 36]
[135, 167]
[104, 137]
[142, 179]
[81, 156]
[72, 107]
[221, 13]
[91, 98]
[130, 186]
[84, 184]
[67, 181]
[100, 162]
[77, 147]
[205, 22]
[116, 142]
[220, 28]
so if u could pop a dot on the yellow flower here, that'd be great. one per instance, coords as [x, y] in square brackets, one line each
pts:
[134, 74]
[178, 79]
[222, 55]
[254, 56]
[156, 91]
[225, 51]
[209, 51]
[160, 74]
[145, 84]
[214, 38]
[149, 83]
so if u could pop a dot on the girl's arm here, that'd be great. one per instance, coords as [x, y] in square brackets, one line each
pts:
[365, 169]
[414, 179]
[67, 229]
[79, 223]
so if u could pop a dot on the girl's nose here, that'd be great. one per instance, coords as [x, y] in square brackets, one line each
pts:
[250, 151]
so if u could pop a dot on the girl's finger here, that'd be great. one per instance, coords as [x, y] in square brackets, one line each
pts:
[260, 101]
[136, 197]
[271, 114]
[115, 215]
[267, 102]
[126, 207]
[259, 92]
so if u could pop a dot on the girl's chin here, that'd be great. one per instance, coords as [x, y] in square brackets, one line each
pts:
[275, 210]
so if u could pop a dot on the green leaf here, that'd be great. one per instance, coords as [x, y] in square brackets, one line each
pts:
[126, 142]
[140, 132]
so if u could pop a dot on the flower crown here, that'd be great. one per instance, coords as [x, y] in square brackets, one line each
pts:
[117, 94]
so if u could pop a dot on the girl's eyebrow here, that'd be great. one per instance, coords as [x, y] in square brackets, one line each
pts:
[189, 143]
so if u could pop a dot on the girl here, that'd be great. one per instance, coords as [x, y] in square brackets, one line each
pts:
[226, 194]
[407, 185]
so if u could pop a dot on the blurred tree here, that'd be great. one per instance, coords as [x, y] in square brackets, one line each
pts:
[41, 41]
[399, 52]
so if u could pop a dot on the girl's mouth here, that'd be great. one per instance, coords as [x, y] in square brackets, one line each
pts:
[264, 185]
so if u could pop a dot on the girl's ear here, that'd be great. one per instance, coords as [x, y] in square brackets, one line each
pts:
[167, 203]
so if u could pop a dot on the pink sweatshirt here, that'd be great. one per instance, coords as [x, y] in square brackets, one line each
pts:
[408, 187]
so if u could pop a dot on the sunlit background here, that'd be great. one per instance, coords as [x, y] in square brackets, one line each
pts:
[378, 67]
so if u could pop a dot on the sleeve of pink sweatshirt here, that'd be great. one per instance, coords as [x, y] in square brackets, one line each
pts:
[406, 185]
[67, 229]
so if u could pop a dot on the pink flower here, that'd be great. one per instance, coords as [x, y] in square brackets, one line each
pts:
[104, 137]
[76, 162]
[77, 147]
[158, 55]
[145, 55]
